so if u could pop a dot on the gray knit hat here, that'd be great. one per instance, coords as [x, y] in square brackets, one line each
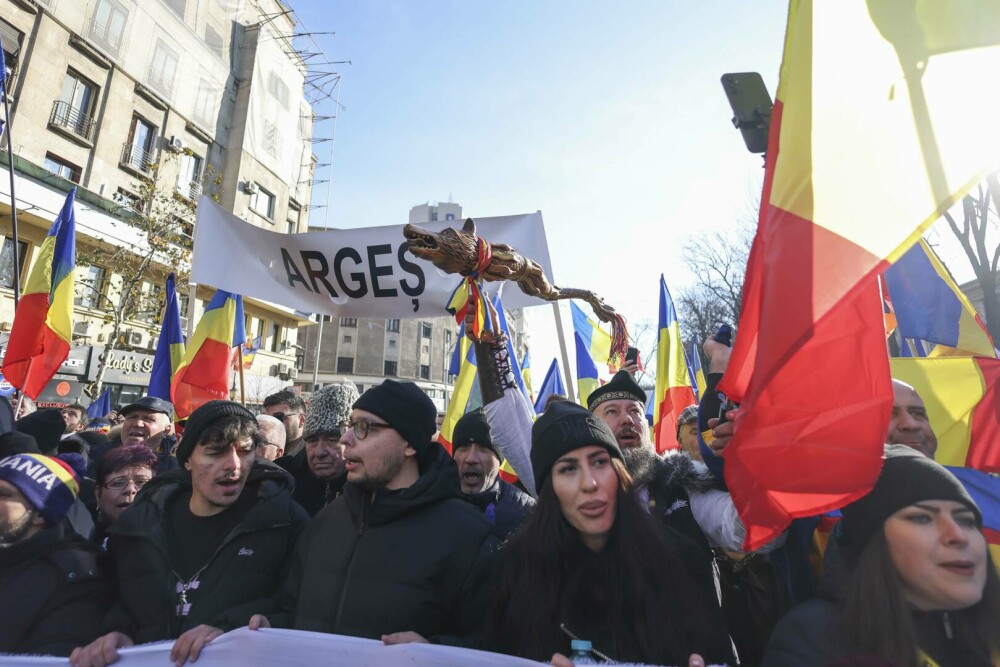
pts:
[328, 407]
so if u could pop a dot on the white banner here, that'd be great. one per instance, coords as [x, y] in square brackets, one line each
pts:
[346, 272]
[295, 647]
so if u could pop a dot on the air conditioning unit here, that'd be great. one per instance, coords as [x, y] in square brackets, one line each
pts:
[282, 369]
[176, 144]
[273, 372]
[83, 329]
[293, 373]
[6, 326]
[132, 337]
[250, 188]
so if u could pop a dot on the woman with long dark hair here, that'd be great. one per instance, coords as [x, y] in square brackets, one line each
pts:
[919, 589]
[589, 563]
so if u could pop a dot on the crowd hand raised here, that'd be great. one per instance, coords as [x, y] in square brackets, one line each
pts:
[723, 433]
[408, 637]
[100, 652]
[188, 646]
[718, 355]
[258, 621]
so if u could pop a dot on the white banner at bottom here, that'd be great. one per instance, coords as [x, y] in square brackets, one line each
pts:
[297, 648]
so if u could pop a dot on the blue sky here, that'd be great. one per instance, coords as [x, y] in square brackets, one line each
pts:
[607, 117]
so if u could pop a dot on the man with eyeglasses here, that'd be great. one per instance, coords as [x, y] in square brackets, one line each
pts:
[288, 408]
[203, 547]
[399, 556]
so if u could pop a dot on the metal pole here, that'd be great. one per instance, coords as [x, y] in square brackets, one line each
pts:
[13, 197]
[326, 225]
[570, 389]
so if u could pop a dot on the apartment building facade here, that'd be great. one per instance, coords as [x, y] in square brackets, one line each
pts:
[204, 96]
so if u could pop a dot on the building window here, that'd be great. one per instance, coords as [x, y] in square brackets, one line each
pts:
[275, 337]
[214, 41]
[425, 330]
[392, 344]
[149, 303]
[178, 6]
[61, 167]
[205, 102]
[262, 202]
[434, 216]
[277, 88]
[293, 218]
[75, 107]
[108, 25]
[189, 176]
[449, 216]
[163, 68]
[11, 49]
[128, 200]
[7, 261]
[392, 325]
[90, 286]
[348, 321]
[139, 151]
[348, 338]
[425, 372]
[425, 348]
[389, 368]
[345, 364]
[447, 338]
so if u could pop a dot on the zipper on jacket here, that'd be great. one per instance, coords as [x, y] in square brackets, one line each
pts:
[350, 563]
[947, 626]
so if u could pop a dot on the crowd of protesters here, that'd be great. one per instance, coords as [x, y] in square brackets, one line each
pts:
[347, 516]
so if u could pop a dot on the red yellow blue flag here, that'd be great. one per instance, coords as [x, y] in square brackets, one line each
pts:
[169, 347]
[673, 381]
[587, 379]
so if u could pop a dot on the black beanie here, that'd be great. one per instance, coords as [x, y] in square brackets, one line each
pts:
[563, 427]
[405, 408]
[16, 442]
[202, 418]
[46, 426]
[473, 428]
[907, 477]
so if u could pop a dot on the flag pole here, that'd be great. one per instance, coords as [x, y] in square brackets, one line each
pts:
[10, 169]
[243, 394]
[570, 389]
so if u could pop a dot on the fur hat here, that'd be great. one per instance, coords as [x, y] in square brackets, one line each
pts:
[328, 407]
[49, 484]
[621, 387]
[406, 408]
[474, 428]
[204, 417]
[907, 477]
[563, 427]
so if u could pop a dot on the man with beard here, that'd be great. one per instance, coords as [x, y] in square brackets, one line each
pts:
[478, 460]
[399, 556]
[53, 592]
[200, 547]
[320, 470]
[678, 489]
[288, 407]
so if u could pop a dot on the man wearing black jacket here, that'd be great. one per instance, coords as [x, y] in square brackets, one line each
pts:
[218, 533]
[399, 555]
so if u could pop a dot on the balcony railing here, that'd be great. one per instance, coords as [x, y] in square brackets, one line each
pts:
[137, 159]
[190, 191]
[67, 117]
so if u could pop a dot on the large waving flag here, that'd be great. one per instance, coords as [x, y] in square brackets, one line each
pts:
[985, 490]
[552, 384]
[961, 395]
[101, 407]
[868, 146]
[929, 305]
[169, 347]
[203, 375]
[673, 381]
[596, 340]
[43, 322]
[250, 351]
[587, 379]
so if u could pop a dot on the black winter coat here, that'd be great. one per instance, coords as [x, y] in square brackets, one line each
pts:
[246, 570]
[372, 563]
[311, 493]
[53, 594]
[510, 506]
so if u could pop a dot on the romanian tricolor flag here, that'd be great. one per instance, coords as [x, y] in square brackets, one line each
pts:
[250, 351]
[961, 395]
[929, 306]
[43, 322]
[551, 385]
[169, 347]
[203, 375]
[596, 340]
[870, 142]
[673, 381]
[526, 375]
[587, 379]
[463, 364]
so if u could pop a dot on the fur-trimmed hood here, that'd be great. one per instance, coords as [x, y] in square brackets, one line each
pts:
[674, 468]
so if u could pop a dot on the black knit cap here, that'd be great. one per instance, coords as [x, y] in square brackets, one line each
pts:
[473, 428]
[46, 426]
[562, 428]
[405, 407]
[622, 387]
[907, 477]
[15, 442]
[202, 418]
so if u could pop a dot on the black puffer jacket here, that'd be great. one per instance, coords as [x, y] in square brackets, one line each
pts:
[311, 493]
[510, 506]
[248, 567]
[390, 561]
[53, 594]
